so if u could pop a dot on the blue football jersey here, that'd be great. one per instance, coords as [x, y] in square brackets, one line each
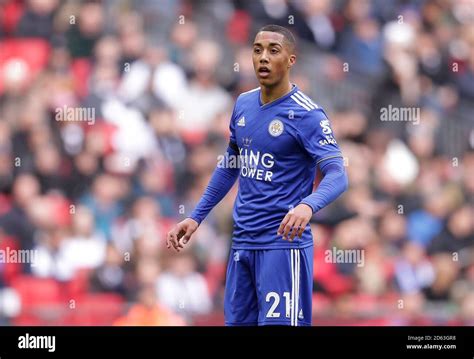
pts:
[280, 145]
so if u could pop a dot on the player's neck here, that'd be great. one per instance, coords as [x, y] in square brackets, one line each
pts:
[269, 94]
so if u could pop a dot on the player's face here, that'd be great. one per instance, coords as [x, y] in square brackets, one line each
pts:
[271, 58]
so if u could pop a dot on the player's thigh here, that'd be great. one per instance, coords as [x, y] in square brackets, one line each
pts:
[284, 286]
[240, 300]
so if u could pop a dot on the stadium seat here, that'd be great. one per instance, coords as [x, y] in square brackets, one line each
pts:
[79, 284]
[42, 302]
[34, 52]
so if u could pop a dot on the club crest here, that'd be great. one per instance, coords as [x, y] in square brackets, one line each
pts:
[275, 128]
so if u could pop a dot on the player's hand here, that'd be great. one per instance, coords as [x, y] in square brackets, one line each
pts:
[181, 234]
[295, 222]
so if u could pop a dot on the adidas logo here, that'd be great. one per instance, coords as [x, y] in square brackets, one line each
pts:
[241, 122]
[300, 315]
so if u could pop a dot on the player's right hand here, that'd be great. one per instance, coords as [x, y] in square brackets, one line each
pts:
[181, 234]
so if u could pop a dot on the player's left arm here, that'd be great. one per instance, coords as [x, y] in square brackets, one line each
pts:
[317, 138]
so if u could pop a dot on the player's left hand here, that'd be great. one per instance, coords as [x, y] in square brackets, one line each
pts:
[295, 222]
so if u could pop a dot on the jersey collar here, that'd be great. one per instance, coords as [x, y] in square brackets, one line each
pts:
[276, 101]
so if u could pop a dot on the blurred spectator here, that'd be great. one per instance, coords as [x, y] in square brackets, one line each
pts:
[182, 289]
[110, 276]
[425, 224]
[104, 202]
[83, 248]
[467, 309]
[446, 270]
[393, 229]
[16, 222]
[148, 312]
[85, 30]
[204, 98]
[413, 272]
[140, 231]
[458, 234]
[49, 260]
[37, 20]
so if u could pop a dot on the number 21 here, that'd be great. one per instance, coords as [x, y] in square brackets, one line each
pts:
[271, 312]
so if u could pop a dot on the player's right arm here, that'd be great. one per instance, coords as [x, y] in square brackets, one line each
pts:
[221, 182]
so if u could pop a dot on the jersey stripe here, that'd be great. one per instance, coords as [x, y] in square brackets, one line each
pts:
[300, 103]
[292, 313]
[307, 98]
[297, 296]
[295, 286]
[301, 97]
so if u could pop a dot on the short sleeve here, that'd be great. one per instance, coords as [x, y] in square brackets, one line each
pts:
[316, 136]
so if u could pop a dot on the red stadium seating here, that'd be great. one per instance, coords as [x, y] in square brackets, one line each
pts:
[34, 52]
[42, 302]
[95, 309]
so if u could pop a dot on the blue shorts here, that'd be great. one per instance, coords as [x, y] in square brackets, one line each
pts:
[262, 285]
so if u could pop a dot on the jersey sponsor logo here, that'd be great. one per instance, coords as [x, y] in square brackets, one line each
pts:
[250, 161]
[330, 140]
[275, 128]
[326, 127]
[236, 257]
[241, 122]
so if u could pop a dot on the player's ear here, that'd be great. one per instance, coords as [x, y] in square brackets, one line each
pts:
[291, 60]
